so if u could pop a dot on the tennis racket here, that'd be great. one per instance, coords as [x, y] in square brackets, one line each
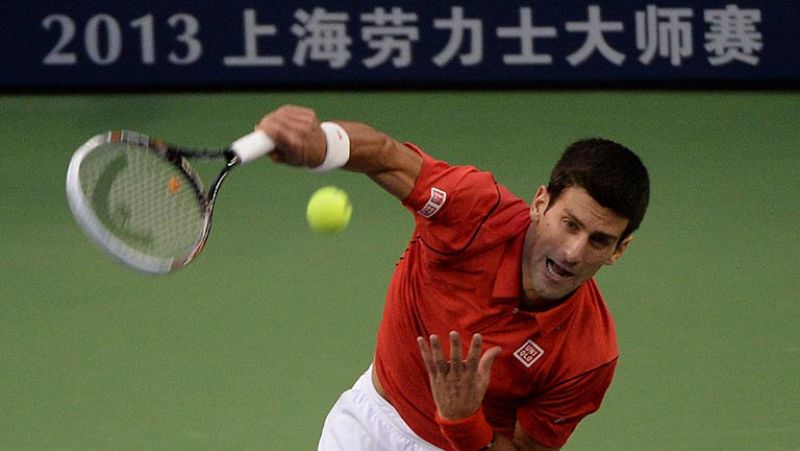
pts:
[139, 199]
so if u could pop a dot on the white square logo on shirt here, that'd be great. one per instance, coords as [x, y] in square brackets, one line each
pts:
[434, 203]
[528, 353]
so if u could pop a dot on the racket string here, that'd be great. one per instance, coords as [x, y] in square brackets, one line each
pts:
[143, 199]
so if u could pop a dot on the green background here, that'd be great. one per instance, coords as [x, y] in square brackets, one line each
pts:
[248, 347]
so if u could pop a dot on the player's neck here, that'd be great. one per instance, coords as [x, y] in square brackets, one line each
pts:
[535, 303]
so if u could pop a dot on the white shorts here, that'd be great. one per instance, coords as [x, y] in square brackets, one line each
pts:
[361, 420]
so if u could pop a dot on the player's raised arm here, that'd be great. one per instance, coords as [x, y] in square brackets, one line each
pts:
[300, 140]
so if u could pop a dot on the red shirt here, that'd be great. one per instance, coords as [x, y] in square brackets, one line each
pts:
[462, 272]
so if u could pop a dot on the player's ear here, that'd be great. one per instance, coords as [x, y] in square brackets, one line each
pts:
[619, 250]
[539, 203]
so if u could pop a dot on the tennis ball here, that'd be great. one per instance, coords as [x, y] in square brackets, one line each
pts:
[328, 210]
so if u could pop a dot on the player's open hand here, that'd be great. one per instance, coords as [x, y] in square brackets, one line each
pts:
[299, 140]
[458, 386]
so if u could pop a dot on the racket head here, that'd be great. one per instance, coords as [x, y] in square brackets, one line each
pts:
[139, 200]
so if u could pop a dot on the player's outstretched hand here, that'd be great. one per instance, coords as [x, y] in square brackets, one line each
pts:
[299, 140]
[458, 386]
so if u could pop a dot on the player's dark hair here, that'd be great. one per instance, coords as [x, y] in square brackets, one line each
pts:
[611, 173]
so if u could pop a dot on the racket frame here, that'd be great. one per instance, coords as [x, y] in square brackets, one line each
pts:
[179, 157]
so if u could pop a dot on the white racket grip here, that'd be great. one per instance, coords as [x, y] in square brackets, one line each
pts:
[253, 146]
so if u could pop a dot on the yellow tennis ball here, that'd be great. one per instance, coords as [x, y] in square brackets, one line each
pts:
[329, 210]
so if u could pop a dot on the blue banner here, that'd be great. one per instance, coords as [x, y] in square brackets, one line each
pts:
[270, 44]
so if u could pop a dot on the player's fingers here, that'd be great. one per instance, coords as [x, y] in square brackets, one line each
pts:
[276, 156]
[302, 117]
[438, 355]
[474, 354]
[487, 359]
[281, 126]
[298, 121]
[426, 355]
[296, 131]
[455, 351]
[269, 125]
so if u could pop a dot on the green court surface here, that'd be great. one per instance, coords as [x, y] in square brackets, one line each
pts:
[248, 347]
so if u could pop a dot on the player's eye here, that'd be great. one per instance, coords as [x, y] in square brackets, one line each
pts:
[600, 241]
[570, 225]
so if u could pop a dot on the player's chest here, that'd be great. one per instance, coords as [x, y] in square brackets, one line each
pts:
[532, 357]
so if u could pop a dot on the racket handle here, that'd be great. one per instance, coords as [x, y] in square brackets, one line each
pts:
[253, 146]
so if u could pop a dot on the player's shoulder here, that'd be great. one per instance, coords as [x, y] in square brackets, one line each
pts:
[461, 209]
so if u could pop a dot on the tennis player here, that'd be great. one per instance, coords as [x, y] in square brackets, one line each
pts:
[495, 334]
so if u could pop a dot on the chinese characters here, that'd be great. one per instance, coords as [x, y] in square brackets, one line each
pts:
[390, 37]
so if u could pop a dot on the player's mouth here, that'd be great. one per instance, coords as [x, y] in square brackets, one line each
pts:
[556, 271]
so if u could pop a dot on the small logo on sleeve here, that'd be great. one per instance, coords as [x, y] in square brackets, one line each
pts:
[435, 202]
[529, 353]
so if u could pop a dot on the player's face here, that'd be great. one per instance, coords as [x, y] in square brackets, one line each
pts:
[567, 244]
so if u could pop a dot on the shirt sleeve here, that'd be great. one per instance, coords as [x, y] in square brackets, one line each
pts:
[551, 417]
[450, 203]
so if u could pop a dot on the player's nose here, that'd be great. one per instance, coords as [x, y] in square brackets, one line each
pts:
[573, 248]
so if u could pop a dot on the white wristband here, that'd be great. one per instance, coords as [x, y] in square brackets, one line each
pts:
[337, 152]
